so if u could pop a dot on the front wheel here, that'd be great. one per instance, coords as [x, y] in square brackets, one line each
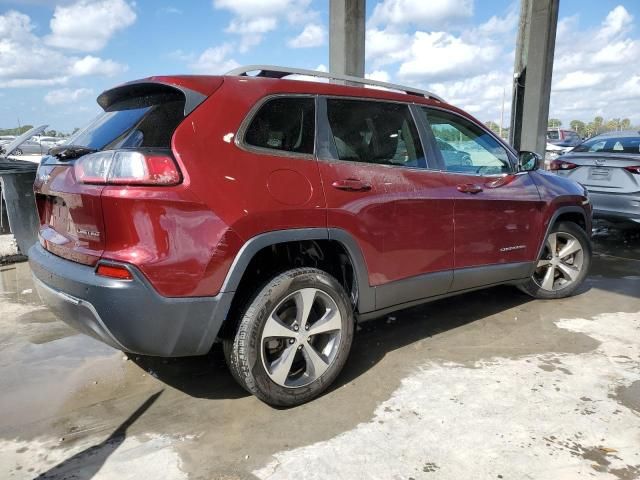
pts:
[293, 339]
[563, 265]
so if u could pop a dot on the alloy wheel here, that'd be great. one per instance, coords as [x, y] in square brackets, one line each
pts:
[561, 262]
[301, 338]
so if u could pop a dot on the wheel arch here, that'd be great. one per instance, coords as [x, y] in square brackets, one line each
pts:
[573, 214]
[242, 267]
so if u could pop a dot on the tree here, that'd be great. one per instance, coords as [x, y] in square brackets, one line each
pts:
[51, 133]
[579, 127]
[493, 126]
[554, 123]
[625, 124]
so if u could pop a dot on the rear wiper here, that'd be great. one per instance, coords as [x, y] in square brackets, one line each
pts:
[69, 152]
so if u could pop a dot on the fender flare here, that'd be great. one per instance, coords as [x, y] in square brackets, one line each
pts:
[365, 293]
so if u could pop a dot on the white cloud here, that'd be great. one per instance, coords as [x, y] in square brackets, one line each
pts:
[67, 95]
[379, 75]
[26, 61]
[594, 69]
[384, 47]
[313, 35]
[91, 65]
[88, 25]
[215, 60]
[617, 22]
[422, 13]
[578, 79]
[438, 55]
[252, 19]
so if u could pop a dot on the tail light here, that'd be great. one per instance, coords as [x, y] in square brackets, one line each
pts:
[124, 167]
[633, 169]
[561, 165]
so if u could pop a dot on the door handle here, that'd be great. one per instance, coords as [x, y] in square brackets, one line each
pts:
[469, 188]
[351, 185]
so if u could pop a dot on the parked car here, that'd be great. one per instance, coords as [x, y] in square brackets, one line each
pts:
[609, 166]
[13, 146]
[30, 147]
[452, 156]
[563, 138]
[273, 214]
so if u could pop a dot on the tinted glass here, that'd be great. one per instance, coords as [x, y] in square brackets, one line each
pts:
[147, 122]
[610, 145]
[374, 132]
[553, 135]
[465, 147]
[286, 124]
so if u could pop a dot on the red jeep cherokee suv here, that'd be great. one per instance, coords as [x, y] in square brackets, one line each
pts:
[272, 214]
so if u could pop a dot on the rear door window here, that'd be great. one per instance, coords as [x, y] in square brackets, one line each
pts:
[140, 122]
[374, 132]
[285, 124]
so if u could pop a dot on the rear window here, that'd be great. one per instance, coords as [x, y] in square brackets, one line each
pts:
[141, 122]
[553, 135]
[610, 145]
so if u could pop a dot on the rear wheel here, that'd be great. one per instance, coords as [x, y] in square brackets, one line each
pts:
[563, 265]
[293, 339]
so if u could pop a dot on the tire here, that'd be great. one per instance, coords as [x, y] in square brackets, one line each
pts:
[274, 355]
[567, 272]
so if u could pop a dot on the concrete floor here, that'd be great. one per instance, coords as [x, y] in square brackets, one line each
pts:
[487, 385]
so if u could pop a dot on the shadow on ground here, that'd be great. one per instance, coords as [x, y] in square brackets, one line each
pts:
[85, 464]
[208, 376]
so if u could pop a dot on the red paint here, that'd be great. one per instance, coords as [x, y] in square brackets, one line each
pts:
[184, 238]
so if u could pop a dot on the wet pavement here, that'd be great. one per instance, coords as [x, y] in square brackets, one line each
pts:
[490, 384]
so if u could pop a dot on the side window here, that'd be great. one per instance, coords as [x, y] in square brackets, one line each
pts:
[285, 124]
[598, 146]
[465, 147]
[374, 132]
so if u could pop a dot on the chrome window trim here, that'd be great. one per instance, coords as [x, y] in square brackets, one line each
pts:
[239, 139]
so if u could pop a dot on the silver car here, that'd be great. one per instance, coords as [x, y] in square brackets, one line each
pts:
[609, 166]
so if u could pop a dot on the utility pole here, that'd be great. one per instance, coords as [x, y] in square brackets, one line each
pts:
[346, 37]
[532, 74]
[504, 90]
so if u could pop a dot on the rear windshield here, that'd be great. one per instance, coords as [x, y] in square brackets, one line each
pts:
[610, 145]
[142, 122]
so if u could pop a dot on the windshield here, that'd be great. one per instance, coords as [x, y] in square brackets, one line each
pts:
[142, 122]
[611, 145]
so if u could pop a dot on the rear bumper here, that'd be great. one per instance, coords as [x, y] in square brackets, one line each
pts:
[615, 206]
[128, 315]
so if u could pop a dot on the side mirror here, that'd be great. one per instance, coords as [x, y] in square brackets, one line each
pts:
[528, 161]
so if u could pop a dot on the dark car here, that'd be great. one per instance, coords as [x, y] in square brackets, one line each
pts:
[609, 166]
[273, 214]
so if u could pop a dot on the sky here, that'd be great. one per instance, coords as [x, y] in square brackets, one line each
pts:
[56, 56]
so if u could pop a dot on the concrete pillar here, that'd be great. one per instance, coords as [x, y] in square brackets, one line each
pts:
[532, 74]
[346, 37]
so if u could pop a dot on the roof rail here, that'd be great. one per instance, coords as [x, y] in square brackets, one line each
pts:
[272, 71]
